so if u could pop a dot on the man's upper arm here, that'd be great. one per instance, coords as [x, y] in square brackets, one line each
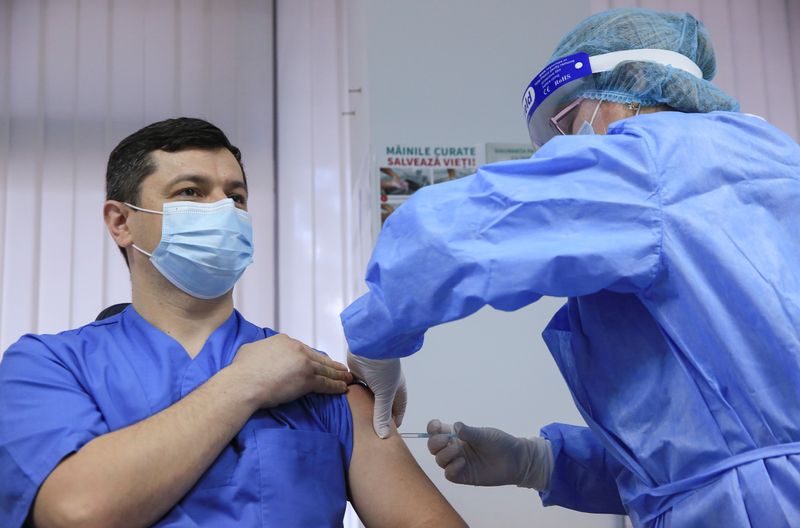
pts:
[387, 487]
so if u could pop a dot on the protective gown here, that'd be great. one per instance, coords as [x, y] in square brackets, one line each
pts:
[286, 467]
[676, 238]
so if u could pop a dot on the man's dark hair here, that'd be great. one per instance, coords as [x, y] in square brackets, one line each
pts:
[130, 162]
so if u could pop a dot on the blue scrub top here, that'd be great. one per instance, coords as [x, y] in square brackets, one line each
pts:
[286, 467]
[676, 238]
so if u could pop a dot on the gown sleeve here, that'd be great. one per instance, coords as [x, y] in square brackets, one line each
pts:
[46, 415]
[584, 474]
[583, 214]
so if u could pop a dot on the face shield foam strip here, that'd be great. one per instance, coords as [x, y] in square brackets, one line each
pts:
[564, 71]
[609, 61]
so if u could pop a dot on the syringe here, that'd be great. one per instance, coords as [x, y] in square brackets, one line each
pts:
[423, 435]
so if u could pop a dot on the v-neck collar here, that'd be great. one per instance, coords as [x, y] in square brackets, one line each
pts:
[155, 337]
[216, 353]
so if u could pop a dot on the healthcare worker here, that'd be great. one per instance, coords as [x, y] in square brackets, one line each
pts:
[670, 221]
[178, 411]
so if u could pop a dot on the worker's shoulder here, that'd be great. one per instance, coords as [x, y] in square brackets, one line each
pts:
[681, 127]
[714, 139]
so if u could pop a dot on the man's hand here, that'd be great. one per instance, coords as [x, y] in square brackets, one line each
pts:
[484, 456]
[385, 379]
[280, 369]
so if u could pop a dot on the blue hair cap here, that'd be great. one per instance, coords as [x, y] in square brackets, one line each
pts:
[648, 83]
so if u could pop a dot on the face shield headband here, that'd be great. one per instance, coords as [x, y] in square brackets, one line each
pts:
[564, 79]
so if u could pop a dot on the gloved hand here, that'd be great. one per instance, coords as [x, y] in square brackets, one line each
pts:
[484, 456]
[385, 379]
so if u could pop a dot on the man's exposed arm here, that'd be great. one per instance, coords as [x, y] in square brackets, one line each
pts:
[133, 476]
[387, 487]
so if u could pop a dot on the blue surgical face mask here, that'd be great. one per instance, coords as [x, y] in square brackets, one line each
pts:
[587, 128]
[204, 248]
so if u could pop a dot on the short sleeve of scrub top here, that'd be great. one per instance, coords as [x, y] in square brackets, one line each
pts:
[46, 415]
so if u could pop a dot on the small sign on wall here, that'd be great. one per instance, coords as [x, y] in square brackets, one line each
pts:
[508, 151]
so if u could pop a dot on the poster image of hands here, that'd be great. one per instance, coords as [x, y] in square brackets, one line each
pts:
[398, 184]
[444, 175]
[403, 181]
[387, 208]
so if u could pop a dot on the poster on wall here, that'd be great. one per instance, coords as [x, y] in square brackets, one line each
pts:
[405, 169]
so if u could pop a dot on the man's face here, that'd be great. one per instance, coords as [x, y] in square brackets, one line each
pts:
[189, 175]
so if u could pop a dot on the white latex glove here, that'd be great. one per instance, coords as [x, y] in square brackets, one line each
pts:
[485, 456]
[385, 379]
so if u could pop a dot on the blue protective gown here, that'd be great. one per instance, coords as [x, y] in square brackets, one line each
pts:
[676, 238]
[285, 468]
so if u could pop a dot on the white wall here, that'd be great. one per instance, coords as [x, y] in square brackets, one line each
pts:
[75, 78]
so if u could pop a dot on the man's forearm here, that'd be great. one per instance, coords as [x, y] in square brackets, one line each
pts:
[133, 476]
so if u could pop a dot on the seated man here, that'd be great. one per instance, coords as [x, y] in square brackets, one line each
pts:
[177, 411]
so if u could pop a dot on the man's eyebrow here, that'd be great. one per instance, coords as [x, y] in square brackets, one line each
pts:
[231, 185]
[194, 178]
[199, 179]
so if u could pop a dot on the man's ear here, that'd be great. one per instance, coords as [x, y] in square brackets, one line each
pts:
[115, 215]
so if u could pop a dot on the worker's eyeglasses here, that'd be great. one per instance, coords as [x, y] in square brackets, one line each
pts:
[563, 120]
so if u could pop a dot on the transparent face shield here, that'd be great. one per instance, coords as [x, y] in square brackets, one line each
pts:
[561, 82]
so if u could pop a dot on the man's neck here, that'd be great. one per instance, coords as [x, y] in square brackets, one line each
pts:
[188, 320]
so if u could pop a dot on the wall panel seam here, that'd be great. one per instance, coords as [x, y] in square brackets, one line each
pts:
[41, 148]
[6, 123]
[74, 143]
[276, 312]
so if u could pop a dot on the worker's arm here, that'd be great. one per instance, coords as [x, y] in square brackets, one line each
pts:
[584, 474]
[387, 487]
[582, 215]
[133, 476]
